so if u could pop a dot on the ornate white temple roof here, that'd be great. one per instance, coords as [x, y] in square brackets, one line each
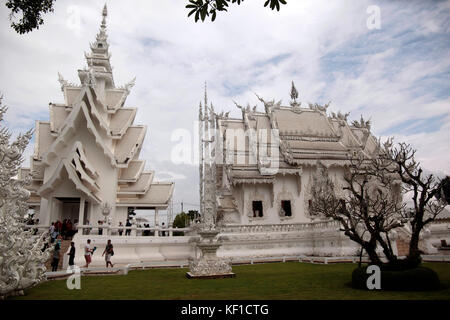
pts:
[62, 150]
[132, 172]
[141, 186]
[158, 195]
[306, 135]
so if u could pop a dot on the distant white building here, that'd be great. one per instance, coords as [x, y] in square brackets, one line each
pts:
[86, 162]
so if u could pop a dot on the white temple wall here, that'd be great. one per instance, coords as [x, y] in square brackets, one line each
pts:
[132, 249]
[319, 242]
[256, 192]
[286, 188]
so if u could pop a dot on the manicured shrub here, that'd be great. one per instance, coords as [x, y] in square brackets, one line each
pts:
[416, 279]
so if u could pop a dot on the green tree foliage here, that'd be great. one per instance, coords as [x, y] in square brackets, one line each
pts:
[180, 220]
[205, 8]
[31, 12]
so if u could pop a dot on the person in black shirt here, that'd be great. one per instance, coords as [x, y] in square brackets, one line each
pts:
[109, 251]
[71, 254]
[128, 231]
[56, 253]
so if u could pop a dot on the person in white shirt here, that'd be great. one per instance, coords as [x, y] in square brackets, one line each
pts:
[87, 253]
[51, 231]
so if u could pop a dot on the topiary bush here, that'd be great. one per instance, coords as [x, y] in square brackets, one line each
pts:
[415, 279]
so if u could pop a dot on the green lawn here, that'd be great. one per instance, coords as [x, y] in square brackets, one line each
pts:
[262, 281]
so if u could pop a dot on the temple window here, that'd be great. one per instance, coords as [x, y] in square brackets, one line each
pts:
[100, 45]
[286, 208]
[257, 207]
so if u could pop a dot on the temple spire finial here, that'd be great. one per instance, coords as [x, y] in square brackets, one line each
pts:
[105, 14]
[206, 101]
[100, 56]
[206, 94]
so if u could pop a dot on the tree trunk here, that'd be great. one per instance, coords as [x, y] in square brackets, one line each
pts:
[371, 251]
[387, 249]
[413, 257]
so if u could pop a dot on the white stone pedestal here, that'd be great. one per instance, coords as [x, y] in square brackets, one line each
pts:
[209, 266]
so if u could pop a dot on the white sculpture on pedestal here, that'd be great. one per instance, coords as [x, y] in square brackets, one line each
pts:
[21, 257]
[208, 265]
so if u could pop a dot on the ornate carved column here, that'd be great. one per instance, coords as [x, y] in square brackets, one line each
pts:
[208, 265]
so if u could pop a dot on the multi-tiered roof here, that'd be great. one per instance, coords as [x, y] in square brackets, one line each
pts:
[303, 136]
[96, 106]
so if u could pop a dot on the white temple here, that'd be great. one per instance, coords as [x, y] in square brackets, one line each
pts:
[86, 164]
[269, 159]
[256, 174]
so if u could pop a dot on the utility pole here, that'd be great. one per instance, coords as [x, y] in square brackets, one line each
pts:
[182, 206]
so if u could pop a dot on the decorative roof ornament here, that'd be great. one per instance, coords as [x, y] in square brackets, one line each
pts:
[88, 78]
[269, 105]
[294, 96]
[62, 81]
[362, 123]
[128, 86]
[240, 107]
[319, 107]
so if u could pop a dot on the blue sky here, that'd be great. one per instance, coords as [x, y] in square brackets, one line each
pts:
[398, 75]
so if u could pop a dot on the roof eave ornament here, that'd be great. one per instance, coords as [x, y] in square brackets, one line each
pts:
[62, 81]
[130, 85]
[294, 97]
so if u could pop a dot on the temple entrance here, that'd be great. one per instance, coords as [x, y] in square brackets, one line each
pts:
[69, 208]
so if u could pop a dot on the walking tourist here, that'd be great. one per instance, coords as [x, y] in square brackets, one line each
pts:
[128, 224]
[100, 230]
[88, 253]
[51, 231]
[109, 253]
[120, 230]
[71, 254]
[56, 255]
[54, 232]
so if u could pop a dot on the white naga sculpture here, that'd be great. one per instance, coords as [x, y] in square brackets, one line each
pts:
[21, 257]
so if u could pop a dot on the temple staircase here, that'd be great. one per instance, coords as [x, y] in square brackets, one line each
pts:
[65, 244]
